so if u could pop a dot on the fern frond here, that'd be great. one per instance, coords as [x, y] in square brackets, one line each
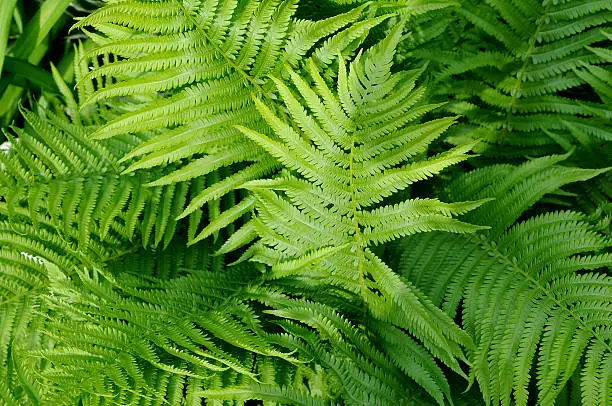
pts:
[365, 374]
[524, 289]
[350, 148]
[599, 77]
[64, 204]
[75, 186]
[215, 215]
[521, 66]
[202, 336]
[101, 336]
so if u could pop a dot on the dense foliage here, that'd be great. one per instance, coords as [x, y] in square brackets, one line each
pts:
[306, 202]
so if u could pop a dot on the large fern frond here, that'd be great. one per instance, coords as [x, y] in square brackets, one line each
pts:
[346, 151]
[530, 293]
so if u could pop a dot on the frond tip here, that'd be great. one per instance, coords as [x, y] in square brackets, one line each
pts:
[189, 68]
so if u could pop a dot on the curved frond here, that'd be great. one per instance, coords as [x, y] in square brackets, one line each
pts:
[520, 71]
[531, 293]
[54, 175]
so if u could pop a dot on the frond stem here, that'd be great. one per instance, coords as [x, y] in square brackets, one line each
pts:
[358, 235]
[514, 93]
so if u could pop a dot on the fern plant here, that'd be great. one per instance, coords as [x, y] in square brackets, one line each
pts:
[276, 201]
[347, 155]
[64, 205]
[527, 79]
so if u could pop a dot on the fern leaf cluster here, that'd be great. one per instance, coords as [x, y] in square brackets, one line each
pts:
[208, 52]
[313, 203]
[515, 81]
[348, 154]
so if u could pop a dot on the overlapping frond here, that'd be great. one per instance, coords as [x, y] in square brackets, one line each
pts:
[22, 281]
[64, 203]
[182, 332]
[371, 368]
[193, 66]
[204, 336]
[531, 293]
[54, 176]
[129, 338]
[315, 177]
[518, 75]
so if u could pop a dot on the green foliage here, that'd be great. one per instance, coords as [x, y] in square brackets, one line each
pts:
[6, 15]
[349, 153]
[29, 32]
[515, 73]
[196, 64]
[521, 287]
[221, 201]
